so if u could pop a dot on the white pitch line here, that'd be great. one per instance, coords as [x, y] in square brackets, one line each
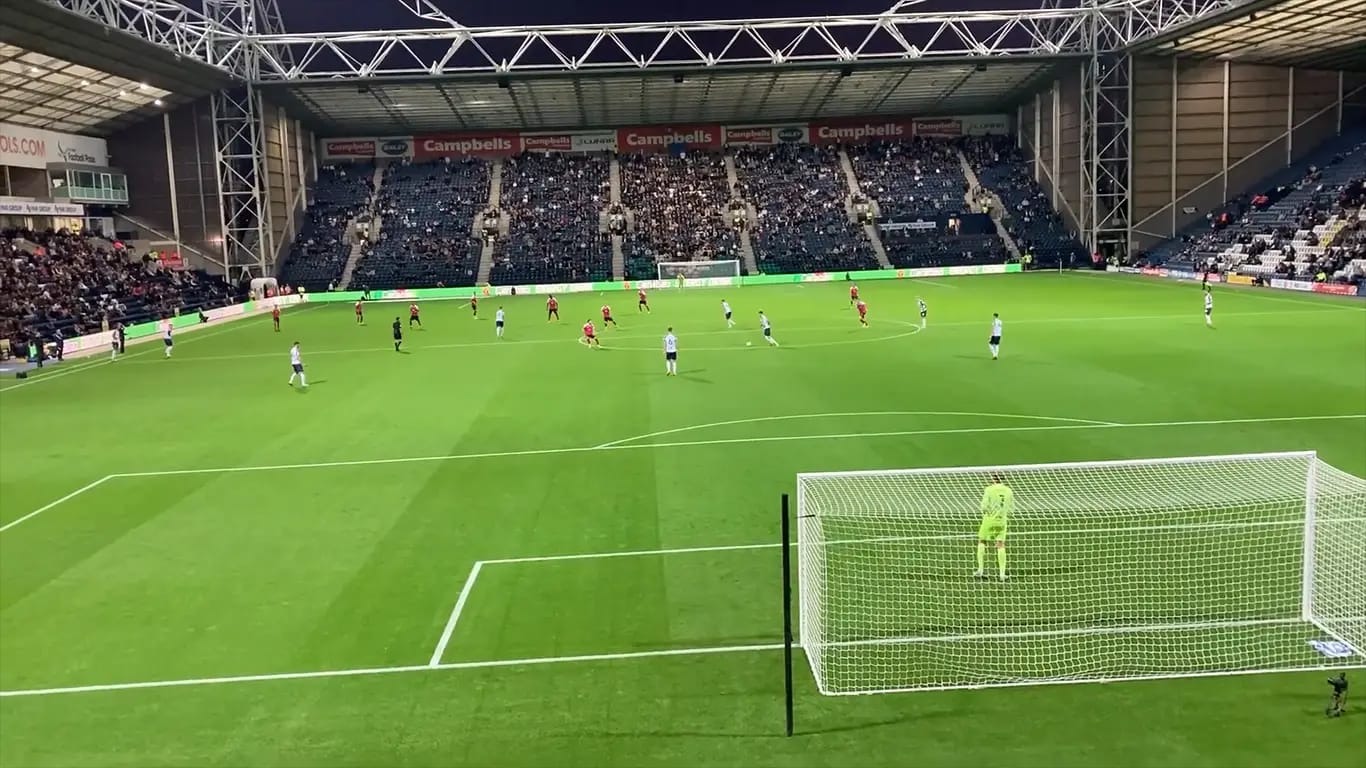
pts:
[362, 672]
[682, 444]
[853, 414]
[691, 443]
[50, 505]
[455, 615]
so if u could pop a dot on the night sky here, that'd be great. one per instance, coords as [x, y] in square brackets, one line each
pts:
[322, 15]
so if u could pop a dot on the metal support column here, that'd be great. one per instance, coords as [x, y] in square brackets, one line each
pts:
[239, 145]
[1106, 131]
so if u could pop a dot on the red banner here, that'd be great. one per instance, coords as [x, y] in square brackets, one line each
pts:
[653, 138]
[764, 135]
[170, 260]
[842, 132]
[465, 145]
[1337, 289]
[949, 128]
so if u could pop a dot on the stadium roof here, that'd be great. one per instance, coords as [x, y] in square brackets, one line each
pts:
[1314, 34]
[70, 72]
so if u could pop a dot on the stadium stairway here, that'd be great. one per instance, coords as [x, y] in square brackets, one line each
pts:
[614, 181]
[875, 240]
[732, 179]
[998, 207]
[849, 176]
[357, 244]
[618, 258]
[496, 184]
[750, 262]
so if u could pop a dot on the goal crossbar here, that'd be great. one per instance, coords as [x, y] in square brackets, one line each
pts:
[1127, 569]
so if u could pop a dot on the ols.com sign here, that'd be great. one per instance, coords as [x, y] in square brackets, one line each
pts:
[24, 147]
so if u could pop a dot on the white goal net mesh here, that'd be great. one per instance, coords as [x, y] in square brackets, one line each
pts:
[669, 270]
[1116, 570]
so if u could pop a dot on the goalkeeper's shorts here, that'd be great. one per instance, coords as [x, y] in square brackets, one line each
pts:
[992, 529]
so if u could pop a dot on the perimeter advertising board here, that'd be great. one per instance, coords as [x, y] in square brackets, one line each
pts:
[660, 138]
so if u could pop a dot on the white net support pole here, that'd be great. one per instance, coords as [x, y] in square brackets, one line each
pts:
[669, 270]
[1116, 570]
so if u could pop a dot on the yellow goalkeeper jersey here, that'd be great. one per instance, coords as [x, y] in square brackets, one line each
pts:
[998, 502]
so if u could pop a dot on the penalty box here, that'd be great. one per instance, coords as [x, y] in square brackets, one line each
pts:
[636, 602]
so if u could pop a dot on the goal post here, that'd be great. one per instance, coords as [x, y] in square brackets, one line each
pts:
[669, 270]
[1116, 570]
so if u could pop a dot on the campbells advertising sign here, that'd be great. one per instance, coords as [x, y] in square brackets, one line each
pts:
[856, 132]
[24, 147]
[660, 138]
[602, 141]
[946, 128]
[765, 135]
[349, 149]
[466, 145]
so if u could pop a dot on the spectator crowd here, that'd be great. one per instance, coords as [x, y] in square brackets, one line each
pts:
[59, 284]
[680, 205]
[554, 204]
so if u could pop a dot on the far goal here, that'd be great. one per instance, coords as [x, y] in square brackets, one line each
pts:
[669, 270]
[1116, 570]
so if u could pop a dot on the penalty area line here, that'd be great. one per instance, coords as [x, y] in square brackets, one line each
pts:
[369, 671]
[455, 614]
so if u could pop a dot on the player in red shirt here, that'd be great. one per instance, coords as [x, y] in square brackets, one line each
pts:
[642, 305]
[413, 316]
[360, 314]
[275, 315]
[590, 336]
[853, 294]
[862, 313]
[474, 306]
[552, 309]
[607, 316]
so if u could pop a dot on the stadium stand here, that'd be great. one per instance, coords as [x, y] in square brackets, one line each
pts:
[909, 248]
[1203, 238]
[679, 202]
[319, 253]
[1029, 217]
[426, 233]
[910, 180]
[1308, 229]
[798, 192]
[57, 281]
[554, 203]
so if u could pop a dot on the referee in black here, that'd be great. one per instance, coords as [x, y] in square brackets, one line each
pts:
[1339, 684]
[398, 334]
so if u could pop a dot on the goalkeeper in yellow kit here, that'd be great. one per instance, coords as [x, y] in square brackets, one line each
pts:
[998, 503]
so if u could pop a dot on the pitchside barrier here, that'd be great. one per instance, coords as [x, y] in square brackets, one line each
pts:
[95, 343]
[1303, 286]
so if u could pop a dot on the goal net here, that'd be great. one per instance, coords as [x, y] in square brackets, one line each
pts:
[1115, 571]
[668, 270]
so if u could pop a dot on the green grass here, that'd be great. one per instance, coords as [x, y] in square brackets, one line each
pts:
[202, 573]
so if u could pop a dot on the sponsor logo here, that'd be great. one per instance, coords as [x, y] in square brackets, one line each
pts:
[1292, 285]
[1337, 289]
[349, 148]
[561, 143]
[749, 135]
[395, 147]
[790, 134]
[695, 137]
[466, 145]
[1239, 279]
[19, 145]
[860, 132]
[1333, 649]
[71, 155]
[945, 128]
[1150, 272]
[595, 141]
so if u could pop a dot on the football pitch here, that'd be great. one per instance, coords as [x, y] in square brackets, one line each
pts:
[528, 552]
